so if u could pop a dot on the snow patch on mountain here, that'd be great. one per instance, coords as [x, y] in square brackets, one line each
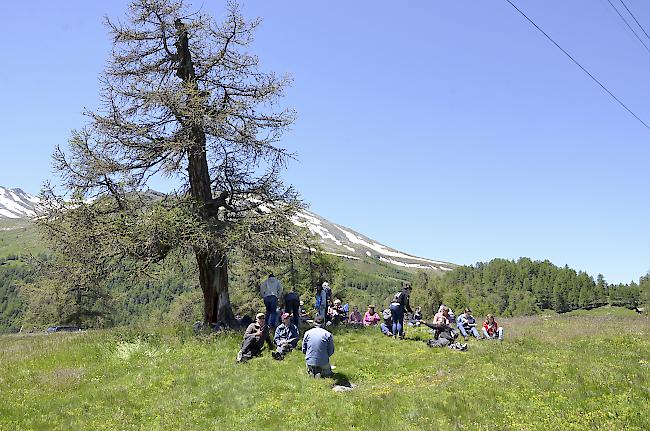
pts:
[15, 203]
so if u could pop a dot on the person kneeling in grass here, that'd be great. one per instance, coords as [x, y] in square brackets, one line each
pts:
[318, 346]
[255, 336]
[467, 324]
[491, 328]
[286, 337]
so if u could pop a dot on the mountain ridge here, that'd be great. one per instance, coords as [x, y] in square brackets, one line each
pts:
[335, 239]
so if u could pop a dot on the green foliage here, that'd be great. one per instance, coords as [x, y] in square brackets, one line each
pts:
[586, 370]
[523, 287]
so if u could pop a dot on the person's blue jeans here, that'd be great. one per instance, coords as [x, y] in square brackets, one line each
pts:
[397, 310]
[499, 334]
[472, 330]
[271, 303]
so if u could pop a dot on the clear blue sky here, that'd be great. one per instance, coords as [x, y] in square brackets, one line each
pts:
[451, 130]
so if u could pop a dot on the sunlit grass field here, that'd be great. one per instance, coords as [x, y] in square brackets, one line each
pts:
[582, 371]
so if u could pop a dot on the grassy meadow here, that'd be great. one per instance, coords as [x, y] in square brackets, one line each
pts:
[577, 371]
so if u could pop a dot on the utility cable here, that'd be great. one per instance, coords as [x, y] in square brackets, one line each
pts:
[635, 20]
[628, 25]
[579, 65]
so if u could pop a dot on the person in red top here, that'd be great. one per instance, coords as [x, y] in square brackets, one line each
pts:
[491, 329]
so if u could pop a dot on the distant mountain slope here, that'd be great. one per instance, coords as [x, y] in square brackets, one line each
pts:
[335, 239]
[15, 203]
[345, 242]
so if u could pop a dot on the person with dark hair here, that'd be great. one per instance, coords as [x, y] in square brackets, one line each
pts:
[292, 306]
[386, 326]
[355, 319]
[491, 329]
[271, 291]
[443, 335]
[397, 307]
[318, 346]
[467, 324]
[255, 336]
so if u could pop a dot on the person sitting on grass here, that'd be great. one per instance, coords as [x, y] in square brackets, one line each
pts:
[255, 336]
[416, 317]
[467, 324]
[387, 325]
[371, 318]
[286, 337]
[491, 329]
[318, 346]
[442, 316]
[337, 312]
[443, 335]
[355, 318]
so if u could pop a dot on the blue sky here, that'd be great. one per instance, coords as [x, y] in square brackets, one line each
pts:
[452, 130]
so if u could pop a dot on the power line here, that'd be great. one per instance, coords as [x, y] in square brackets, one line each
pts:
[578, 64]
[628, 25]
[635, 20]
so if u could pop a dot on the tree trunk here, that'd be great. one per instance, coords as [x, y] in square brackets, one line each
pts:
[213, 264]
[213, 276]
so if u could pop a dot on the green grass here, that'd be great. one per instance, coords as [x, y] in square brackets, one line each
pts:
[579, 371]
[18, 236]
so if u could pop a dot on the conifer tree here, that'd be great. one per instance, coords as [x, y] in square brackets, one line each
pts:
[184, 99]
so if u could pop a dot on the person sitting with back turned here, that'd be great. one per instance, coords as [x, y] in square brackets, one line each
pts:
[286, 337]
[467, 324]
[491, 329]
[255, 336]
[318, 346]
[370, 317]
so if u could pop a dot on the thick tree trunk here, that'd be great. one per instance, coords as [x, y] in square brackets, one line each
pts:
[213, 264]
[213, 276]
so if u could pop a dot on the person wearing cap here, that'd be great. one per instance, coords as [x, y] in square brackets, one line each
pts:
[318, 346]
[355, 319]
[286, 337]
[467, 324]
[323, 299]
[397, 307]
[271, 291]
[371, 317]
[255, 336]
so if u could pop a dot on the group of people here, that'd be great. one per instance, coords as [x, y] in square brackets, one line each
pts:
[318, 342]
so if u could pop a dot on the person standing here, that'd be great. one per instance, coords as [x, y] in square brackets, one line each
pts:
[271, 290]
[318, 346]
[323, 300]
[397, 307]
[292, 306]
